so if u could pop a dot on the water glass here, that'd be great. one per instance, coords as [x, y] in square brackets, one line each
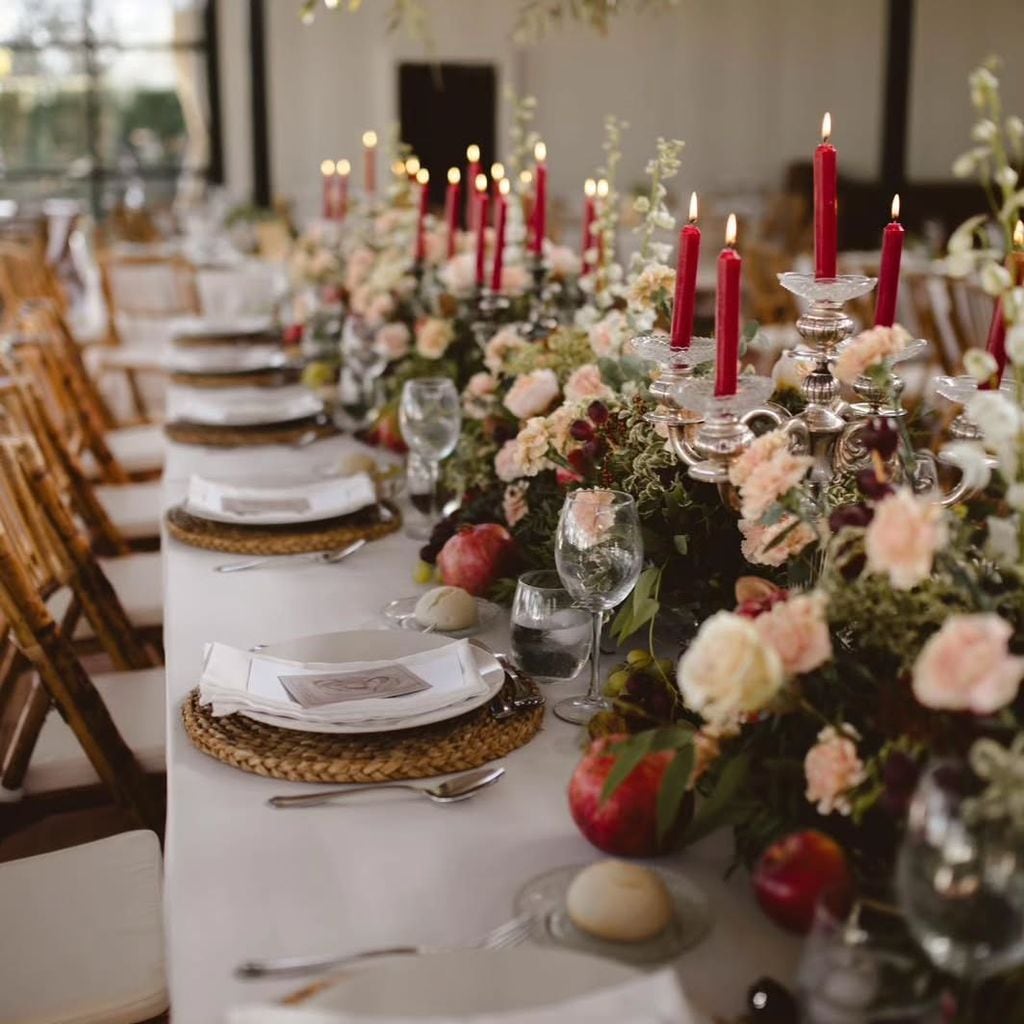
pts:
[550, 634]
[960, 880]
[430, 418]
[599, 553]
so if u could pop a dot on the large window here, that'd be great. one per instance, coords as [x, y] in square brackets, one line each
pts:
[97, 96]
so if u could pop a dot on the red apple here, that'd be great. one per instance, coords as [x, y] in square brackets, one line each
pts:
[626, 824]
[474, 557]
[293, 334]
[388, 433]
[793, 874]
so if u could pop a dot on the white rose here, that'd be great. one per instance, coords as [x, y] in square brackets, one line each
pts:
[980, 364]
[996, 415]
[995, 278]
[729, 670]
[1015, 344]
[984, 131]
[1006, 177]
[1003, 544]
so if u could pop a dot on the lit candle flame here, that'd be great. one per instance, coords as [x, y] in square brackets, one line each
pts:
[398, 168]
[344, 168]
[826, 127]
[454, 176]
[481, 183]
[693, 207]
[412, 166]
[369, 139]
[730, 231]
[473, 153]
[896, 206]
[602, 189]
[526, 177]
[504, 186]
[1018, 235]
[326, 167]
[590, 188]
[331, 4]
[423, 176]
[540, 152]
[497, 171]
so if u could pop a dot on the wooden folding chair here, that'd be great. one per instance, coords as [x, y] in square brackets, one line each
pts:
[25, 276]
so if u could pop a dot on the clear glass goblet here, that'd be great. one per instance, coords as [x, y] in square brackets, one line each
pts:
[430, 418]
[960, 878]
[599, 553]
[550, 632]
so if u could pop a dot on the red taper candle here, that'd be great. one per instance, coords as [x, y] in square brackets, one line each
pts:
[499, 241]
[370, 162]
[481, 203]
[686, 280]
[472, 170]
[452, 203]
[343, 169]
[727, 314]
[589, 211]
[327, 201]
[540, 212]
[996, 345]
[423, 179]
[826, 204]
[889, 271]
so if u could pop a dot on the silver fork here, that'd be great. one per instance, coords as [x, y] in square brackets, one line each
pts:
[511, 933]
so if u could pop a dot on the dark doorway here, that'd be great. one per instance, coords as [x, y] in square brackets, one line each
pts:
[443, 108]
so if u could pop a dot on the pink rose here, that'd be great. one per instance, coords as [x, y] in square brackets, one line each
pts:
[967, 666]
[359, 300]
[478, 397]
[607, 335]
[514, 504]
[458, 275]
[590, 516]
[433, 336]
[585, 384]
[506, 462]
[798, 630]
[902, 538]
[561, 261]
[532, 393]
[436, 247]
[380, 308]
[392, 341]
[832, 768]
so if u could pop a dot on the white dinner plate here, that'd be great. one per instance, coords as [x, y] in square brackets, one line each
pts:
[468, 982]
[220, 359]
[228, 410]
[228, 327]
[376, 645]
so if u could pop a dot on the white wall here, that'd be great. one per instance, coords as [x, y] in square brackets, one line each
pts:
[744, 82]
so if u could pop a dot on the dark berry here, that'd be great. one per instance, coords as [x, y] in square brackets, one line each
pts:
[598, 412]
[578, 460]
[849, 515]
[581, 430]
[870, 486]
[593, 449]
[880, 434]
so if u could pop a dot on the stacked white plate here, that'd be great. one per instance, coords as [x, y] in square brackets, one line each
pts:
[242, 407]
[188, 328]
[214, 360]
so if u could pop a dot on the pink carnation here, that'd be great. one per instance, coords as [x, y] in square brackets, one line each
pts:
[967, 666]
[832, 768]
[869, 348]
[757, 544]
[392, 341]
[902, 538]
[798, 630]
[532, 393]
[514, 504]
[765, 472]
[585, 384]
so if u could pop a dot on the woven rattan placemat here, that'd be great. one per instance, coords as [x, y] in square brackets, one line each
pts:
[276, 378]
[461, 743]
[203, 340]
[216, 436]
[324, 535]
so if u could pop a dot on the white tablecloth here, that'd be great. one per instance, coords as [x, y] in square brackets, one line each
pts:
[244, 879]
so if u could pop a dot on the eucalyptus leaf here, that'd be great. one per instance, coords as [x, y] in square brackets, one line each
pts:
[674, 784]
[628, 755]
[721, 807]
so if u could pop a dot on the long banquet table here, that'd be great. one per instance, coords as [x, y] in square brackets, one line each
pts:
[244, 879]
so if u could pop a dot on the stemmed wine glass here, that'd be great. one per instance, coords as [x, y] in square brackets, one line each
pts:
[430, 418]
[598, 553]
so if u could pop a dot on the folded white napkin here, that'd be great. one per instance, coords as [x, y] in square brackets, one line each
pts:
[222, 358]
[191, 326]
[295, 503]
[652, 999]
[242, 406]
[235, 680]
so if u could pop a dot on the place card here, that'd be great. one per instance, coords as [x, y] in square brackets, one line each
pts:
[310, 691]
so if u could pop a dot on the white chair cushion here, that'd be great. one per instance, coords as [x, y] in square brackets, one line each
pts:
[136, 702]
[130, 357]
[133, 508]
[82, 937]
[138, 449]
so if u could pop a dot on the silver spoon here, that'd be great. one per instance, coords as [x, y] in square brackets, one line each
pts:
[462, 787]
[323, 557]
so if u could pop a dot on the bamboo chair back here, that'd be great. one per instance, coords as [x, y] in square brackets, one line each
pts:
[147, 287]
[25, 276]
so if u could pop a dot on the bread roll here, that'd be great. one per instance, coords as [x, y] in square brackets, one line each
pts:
[447, 609]
[619, 902]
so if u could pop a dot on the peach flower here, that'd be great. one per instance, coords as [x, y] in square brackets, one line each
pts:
[500, 347]
[433, 336]
[506, 462]
[532, 444]
[607, 335]
[514, 504]
[514, 279]
[359, 300]
[760, 450]
[532, 393]
[756, 541]
[765, 472]
[392, 341]
[832, 768]
[967, 666]
[478, 397]
[558, 426]
[902, 538]
[458, 275]
[561, 261]
[868, 349]
[654, 282]
[358, 267]
[380, 307]
[588, 516]
[585, 384]
[798, 630]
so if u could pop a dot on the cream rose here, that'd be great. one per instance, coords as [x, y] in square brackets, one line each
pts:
[729, 670]
[967, 666]
[514, 279]
[500, 347]
[392, 341]
[532, 393]
[433, 336]
[458, 275]
[655, 282]
[902, 538]
[765, 472]
[585, 384]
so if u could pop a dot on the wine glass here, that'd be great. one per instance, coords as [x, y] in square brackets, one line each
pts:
[598, 553]
[430, 418]
[960, 880]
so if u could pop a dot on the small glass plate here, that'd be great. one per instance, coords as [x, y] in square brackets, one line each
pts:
[544, 898]
[400, 615]
[827, 289]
